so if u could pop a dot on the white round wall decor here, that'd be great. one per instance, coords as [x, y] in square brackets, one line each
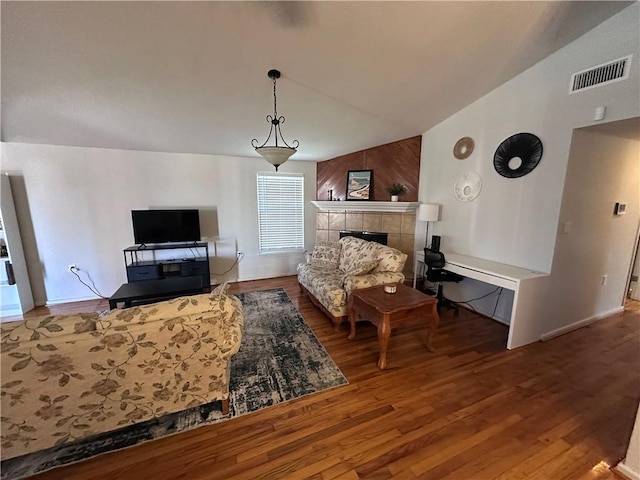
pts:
[467, 186]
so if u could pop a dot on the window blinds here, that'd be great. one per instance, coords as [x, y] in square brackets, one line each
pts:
[280, 213]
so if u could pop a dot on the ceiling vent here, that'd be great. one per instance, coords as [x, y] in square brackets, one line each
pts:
[601, 75]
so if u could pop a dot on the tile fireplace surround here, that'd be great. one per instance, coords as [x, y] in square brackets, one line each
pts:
[397, 219]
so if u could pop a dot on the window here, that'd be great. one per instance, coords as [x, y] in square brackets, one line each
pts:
[280, 212]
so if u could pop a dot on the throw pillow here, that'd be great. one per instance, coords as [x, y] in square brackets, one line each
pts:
[356, 251]
[326, 255]
[363, 268]
[391, 260]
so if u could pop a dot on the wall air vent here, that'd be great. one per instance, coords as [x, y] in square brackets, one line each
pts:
[601, 75]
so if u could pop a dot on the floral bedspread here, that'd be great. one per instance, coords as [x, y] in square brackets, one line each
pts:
[71, 376]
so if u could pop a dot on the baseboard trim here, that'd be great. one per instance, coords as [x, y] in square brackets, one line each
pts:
[10, 310]
[622, 469]
[579, 324]
[258, 277]
[50, 303]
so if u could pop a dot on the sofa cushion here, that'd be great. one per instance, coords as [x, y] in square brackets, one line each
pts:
[352, 282]
[41, 328]
[326, 285]
[355, 252]
[326, 254]
[390, 260]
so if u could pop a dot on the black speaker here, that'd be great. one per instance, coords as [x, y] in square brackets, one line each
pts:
[435, 243]
[11, 278]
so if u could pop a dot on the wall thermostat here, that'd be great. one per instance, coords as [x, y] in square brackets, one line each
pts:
[620, 208]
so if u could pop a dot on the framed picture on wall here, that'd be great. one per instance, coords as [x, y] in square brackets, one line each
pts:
[359, 184]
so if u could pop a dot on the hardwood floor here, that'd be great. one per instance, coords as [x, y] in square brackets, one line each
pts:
[563, 409]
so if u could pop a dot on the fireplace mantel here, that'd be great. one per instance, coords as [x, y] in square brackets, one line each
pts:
[365, 206]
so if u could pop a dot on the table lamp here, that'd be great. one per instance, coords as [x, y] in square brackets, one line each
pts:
[428, 212]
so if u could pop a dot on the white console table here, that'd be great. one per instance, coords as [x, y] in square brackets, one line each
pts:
[527, 286]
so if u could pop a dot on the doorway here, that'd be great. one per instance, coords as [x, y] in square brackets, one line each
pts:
[605, 180]
[15, 289]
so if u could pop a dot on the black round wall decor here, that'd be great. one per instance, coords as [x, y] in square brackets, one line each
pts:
[517, 155]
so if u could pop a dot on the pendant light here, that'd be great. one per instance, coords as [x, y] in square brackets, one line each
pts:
[276, 154]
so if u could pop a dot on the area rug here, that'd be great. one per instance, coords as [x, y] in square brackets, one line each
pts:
[280, 359]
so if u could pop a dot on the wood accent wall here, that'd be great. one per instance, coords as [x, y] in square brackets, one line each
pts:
[396, 162]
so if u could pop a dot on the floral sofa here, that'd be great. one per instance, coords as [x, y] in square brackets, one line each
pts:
[66, 377]
[334, 269]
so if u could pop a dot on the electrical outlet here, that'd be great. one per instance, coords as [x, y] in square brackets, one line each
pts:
[73, 267]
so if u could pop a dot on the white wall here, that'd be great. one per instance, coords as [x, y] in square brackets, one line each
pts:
[602, 170]
[74, 206]
[630, 466]
[514, 221]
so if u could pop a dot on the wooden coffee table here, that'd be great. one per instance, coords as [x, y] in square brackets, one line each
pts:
[390, 310]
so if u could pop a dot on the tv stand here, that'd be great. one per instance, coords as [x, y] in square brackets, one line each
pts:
[158, 268]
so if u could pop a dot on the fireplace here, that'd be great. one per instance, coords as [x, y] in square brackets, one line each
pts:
[378, 237]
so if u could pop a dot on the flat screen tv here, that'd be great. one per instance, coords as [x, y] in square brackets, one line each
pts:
[162, 226]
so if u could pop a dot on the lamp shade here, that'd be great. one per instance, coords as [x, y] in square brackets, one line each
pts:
[428, 212]
[276, 155]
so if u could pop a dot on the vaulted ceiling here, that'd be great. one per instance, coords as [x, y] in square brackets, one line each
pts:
[191, 77]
